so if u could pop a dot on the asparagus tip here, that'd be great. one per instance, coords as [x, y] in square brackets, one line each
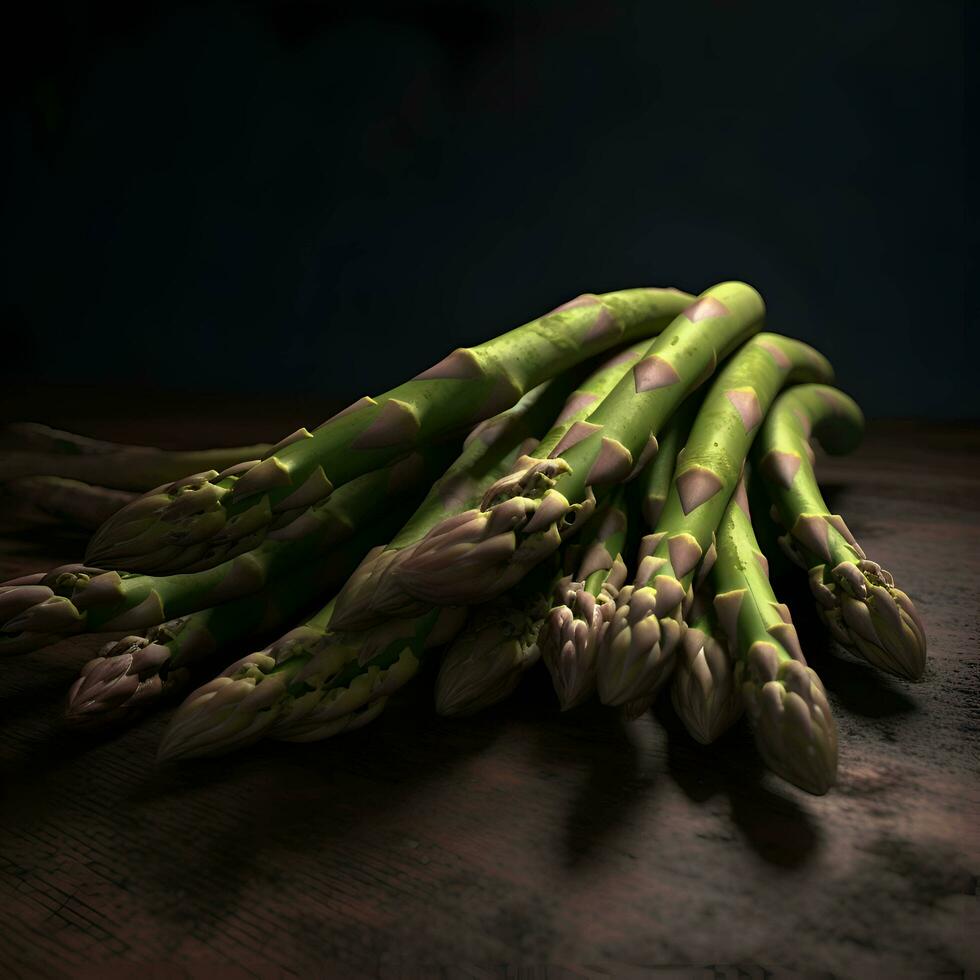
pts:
[795, 731]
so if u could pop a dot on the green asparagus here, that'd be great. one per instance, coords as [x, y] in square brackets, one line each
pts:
[785, 700]
[531, 509]
[647, 623]
[499, 643]
[71, 501]
[39, 450]
[217, 515]
[73, 599]
[311, 683]
[137, 671]
[376, 587]
[856, 598]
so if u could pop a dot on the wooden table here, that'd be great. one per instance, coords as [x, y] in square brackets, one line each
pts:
[522, 842]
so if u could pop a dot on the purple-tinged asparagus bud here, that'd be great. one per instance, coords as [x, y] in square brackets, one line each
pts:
[794, 729]
[639, 639]
[233, 710]
[866, 613]
[570, 634]
[372, 593]
[487, 660]
[704, 693]
[479, 555]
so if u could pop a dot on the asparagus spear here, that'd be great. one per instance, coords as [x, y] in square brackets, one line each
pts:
[784, 699]
[546, 497]
[310, 684]
[235, 709]
[75, 598]
[485, 663]
[569, 636]
[244, 703]
[372, 592]
[703, 689]
[654, 488]
[210, 514]
[856, 598]
[39, 450]
[72, 501]
[640, 637]
[135, 672]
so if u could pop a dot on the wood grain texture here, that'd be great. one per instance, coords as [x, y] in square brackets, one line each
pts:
[522, 842]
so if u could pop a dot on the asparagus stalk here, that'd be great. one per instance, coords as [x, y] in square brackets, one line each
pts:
[73, 599]
[372, 592]
[545, 498]
[703, 689]
[136, 672]
[210, 514]
[642, 634]
[654, 488]
[856, 598]
[308, 685]
[569, 636]
[81, 504]
[784, 699]
[323, 678]
[245, 702]
[235, 709]
[39, 450]
[375, 588]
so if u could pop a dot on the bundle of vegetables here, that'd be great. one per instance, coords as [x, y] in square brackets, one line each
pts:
[572, 491]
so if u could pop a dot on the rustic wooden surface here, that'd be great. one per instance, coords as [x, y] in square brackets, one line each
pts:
[522, 842]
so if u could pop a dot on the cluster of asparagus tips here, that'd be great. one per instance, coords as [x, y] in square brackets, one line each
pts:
[527, 526]
[569, 636]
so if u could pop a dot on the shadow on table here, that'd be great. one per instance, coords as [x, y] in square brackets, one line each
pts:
[329, 802]
[774, 825]
[617, 779]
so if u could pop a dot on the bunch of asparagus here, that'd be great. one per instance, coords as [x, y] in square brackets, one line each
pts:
[575, 491]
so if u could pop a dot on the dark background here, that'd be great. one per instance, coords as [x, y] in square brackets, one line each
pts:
[286, 198]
